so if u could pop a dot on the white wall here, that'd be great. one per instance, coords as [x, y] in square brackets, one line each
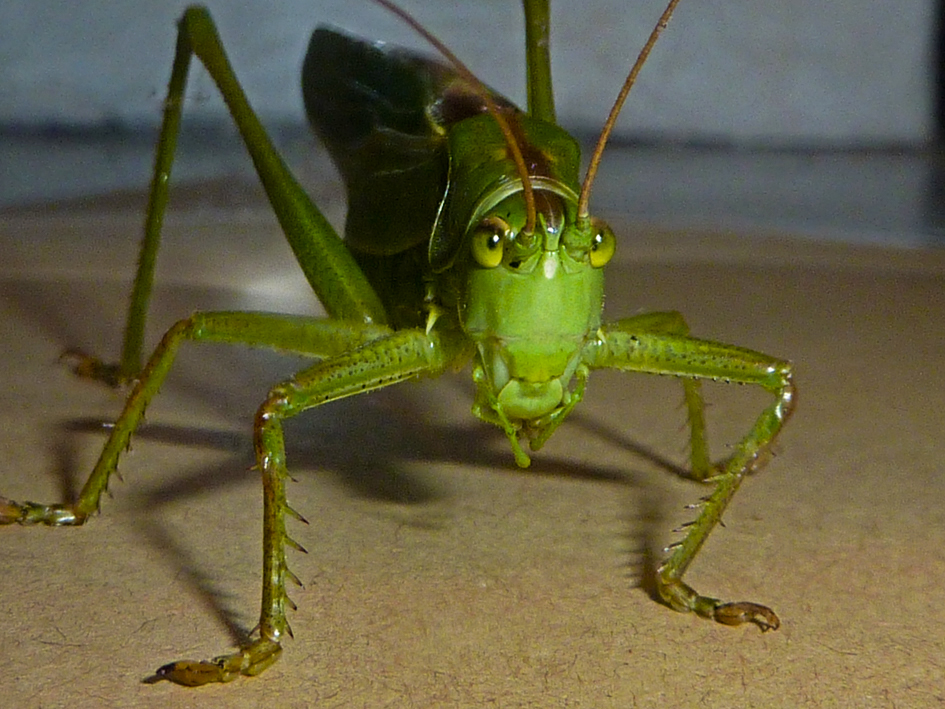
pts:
[788, 71]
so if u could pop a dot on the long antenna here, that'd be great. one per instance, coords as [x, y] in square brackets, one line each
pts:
[490, 106]
[615, 111]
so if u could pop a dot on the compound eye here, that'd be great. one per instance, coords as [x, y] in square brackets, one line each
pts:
[488, 242]
[603, 245]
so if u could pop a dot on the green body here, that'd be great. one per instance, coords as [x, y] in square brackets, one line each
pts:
[436, 270]
[425, 165]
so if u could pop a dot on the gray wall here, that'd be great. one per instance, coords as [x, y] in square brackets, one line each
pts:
[795, 72]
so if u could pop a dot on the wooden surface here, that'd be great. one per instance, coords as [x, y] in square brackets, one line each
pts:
[439, 573]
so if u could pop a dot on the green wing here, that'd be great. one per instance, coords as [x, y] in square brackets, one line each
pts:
[384, 114]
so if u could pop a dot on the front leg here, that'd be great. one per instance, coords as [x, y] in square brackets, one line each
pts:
[403, 355]
[625, 346]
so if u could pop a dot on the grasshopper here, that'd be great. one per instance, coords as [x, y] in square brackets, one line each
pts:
[468, 241]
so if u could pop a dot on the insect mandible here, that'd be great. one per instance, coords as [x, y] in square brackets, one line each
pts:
[468, 241]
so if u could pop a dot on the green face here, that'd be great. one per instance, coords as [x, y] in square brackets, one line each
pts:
[533, 300]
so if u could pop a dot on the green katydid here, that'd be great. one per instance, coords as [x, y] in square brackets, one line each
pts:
[468, 240]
